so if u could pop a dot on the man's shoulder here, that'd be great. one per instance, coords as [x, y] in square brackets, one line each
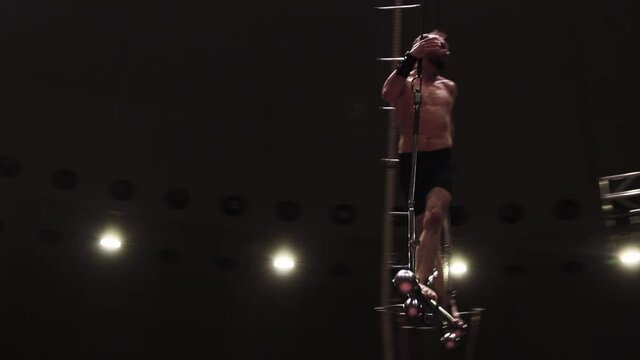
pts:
[449, 84]
[446, 82]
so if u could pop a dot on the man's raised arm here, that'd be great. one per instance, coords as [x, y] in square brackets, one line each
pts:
[395, 85]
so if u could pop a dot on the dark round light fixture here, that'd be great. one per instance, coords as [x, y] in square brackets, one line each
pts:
[177, 198]
[339, 270]
[122, 190]
[566, 209]
[344, 214]
[225, 263]
[288, 211]
[511, 213]
[64, 179]
[514, 270]
[10, 166]
[168, 256]
[573, 267]
[233, 205]
[49, 236]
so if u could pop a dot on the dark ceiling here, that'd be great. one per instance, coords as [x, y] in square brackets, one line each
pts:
[213, 133]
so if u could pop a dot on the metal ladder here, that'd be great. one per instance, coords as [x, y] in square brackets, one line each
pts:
[391, 161]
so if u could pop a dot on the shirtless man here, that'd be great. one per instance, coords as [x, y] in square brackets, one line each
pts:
[436, 169]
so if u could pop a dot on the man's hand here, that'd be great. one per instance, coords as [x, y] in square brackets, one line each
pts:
[431, 44]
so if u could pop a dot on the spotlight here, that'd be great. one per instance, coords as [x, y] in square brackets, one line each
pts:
[405, 281]
[412, 307]
[458, 268]
[284, 263]
[111, 242]
[630, 257]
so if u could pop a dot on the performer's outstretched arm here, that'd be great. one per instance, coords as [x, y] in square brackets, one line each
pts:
[396, 85]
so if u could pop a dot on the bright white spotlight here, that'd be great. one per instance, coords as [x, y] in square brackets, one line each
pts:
[458, 268]
[284, 262]
[110, 242]
[630, 257]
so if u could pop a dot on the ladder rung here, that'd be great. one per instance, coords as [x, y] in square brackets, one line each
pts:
[399, 267]
[391, 162]
[399, 213]
[621, 176]
[390, 58]
[411, 6]
[621, 195]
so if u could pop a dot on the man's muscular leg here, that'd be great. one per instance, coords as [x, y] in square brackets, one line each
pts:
[429, 226]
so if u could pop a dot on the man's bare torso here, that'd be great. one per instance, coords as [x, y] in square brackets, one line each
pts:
[436, 123]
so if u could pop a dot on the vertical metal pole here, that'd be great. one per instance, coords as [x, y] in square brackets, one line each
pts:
[389, 200]
[417, 102]
[412, 186]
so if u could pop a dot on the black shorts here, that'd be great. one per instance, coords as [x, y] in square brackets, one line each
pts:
[434, 169]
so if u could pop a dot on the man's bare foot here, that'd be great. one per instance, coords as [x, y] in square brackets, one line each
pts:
[428, 293]
[452, 308]
[458, 322]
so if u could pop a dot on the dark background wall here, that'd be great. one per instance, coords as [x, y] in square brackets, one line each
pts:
[278, 101]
